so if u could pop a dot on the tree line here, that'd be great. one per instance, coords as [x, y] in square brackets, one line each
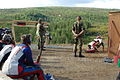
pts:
[60, 21]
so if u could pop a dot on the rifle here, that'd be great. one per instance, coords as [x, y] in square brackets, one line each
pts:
[40, 53]
[39, 56]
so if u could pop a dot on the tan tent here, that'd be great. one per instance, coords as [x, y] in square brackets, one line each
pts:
[113, 33]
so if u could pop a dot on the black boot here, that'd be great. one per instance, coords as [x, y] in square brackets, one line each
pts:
[38, 46]
[80, 52]
[80, 55]
[75, 54]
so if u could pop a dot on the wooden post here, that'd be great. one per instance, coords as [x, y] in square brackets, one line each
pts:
[27, 25]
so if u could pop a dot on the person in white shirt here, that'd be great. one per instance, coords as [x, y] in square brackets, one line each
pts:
[96, 43]
[5, 52]
[40, 32]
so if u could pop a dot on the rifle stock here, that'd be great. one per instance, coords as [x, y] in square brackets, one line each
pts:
[39, 56]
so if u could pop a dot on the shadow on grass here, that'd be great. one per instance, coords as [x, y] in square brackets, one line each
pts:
[59, 50]
[61, 78]
[52, 67]
[49, 62]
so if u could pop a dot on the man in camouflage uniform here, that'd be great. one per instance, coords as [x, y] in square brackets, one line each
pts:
[41, 34]
[78, 31]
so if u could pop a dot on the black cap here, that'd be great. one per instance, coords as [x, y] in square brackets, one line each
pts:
[26, 39]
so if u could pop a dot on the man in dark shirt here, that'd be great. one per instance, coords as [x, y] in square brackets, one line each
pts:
[78, 31]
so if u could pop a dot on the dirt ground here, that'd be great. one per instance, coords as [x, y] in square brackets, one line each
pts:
[64, 66]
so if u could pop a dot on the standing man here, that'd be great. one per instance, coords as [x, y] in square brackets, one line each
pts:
[41, 34]
[78, 31]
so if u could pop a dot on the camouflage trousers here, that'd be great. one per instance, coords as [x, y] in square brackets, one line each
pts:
[41, 41]
[78, 41]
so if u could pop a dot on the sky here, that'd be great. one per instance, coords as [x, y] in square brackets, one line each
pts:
[110, 4]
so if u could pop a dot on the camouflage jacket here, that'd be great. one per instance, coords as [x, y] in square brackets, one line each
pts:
[77, 27]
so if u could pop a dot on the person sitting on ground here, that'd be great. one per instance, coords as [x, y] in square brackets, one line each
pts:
[2, 43]
[20, 61]
[3, 32]
[5, 52]
[96, 43]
